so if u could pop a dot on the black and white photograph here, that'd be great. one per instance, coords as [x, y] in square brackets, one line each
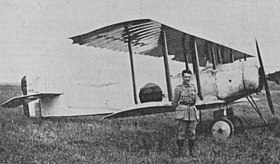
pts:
[139, 82]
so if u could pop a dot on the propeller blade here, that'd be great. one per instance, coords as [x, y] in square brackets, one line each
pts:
[262, 74]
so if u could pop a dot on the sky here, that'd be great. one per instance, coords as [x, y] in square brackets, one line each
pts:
[34, 33]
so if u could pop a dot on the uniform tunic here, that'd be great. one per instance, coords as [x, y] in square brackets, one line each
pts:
[186, 112]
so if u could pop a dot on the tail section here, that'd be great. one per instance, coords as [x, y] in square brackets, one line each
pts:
[24, 100]
[34, 108]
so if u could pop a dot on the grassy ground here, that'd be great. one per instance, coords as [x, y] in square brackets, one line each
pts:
[149, 139]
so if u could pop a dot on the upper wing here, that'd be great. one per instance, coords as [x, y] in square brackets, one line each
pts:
[20, 100]
[146, 39]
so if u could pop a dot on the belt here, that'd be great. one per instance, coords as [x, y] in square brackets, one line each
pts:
[182, 103]
[187, 104]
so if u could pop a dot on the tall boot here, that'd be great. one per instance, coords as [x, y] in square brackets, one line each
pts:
[192, 148]
[180, 144]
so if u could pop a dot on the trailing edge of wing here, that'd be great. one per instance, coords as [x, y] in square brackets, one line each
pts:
[145, 39]
[17, 101]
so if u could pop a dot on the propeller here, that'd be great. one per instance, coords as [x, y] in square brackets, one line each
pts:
[263, 77]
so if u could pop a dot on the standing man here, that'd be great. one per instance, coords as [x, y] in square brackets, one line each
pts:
[186, 113]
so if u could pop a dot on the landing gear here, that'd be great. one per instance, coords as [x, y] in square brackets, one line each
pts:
[226, 123]
[222, 129]
[238, 123]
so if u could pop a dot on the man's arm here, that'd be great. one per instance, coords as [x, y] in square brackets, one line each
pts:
[176, 98]
[193, 97]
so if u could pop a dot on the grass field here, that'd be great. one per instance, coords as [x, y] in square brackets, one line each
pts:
[149, 139]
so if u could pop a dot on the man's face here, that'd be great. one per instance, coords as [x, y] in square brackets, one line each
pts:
[186, 78]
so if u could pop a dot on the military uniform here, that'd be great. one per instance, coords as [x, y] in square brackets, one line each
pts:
[186, 113]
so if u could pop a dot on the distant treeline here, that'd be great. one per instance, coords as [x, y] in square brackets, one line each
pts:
[274, 77]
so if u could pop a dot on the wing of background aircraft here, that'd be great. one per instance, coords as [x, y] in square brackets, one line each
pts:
[148, 37]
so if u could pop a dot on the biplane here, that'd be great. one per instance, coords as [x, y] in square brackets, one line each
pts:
[222, 76]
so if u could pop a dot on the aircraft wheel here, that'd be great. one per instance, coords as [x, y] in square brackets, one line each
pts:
[239, 124]
[222, 129]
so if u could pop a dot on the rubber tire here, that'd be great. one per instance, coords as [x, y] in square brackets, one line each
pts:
[222, 134]
[238, 123]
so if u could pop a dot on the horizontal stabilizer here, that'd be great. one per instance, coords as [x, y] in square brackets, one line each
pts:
[20, 100]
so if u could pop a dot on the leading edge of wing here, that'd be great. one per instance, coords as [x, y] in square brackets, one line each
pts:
[19, 100]
[164, 107]
[156, 108]
[142, 109]
[145, 36]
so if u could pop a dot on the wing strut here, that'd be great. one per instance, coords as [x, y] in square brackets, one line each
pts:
[222, 55]
[213, 56]
[131, 64]
[244, 57]
[185, 51]
[219, 55]
[194, 54]
[166, 65]
[231, 56]
[206, 51]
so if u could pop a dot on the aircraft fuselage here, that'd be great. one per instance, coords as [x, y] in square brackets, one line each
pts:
[230, 81]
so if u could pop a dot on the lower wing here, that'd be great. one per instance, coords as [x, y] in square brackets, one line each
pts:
[164, 107]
